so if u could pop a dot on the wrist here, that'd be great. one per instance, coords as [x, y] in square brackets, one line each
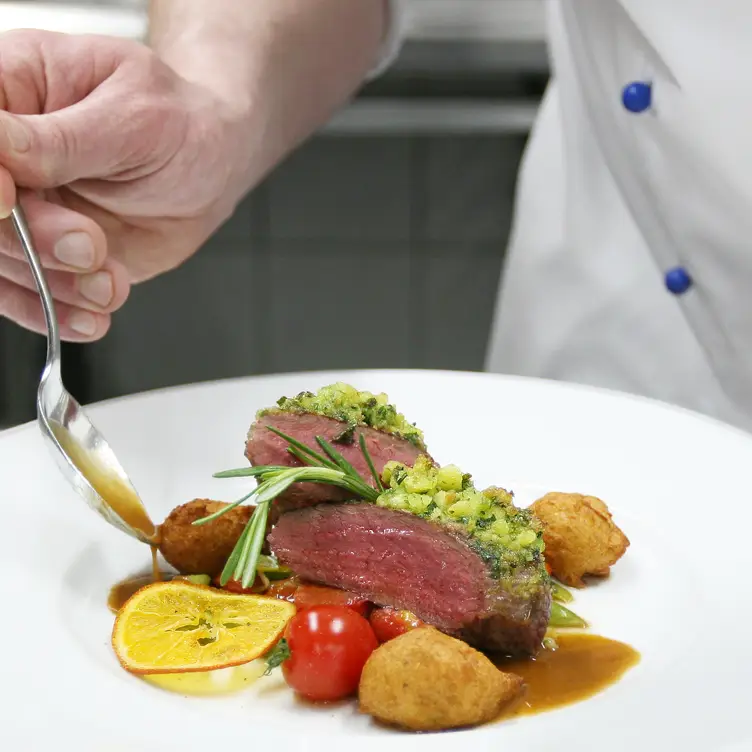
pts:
[216, 154]
[220, 89]
[276, 70]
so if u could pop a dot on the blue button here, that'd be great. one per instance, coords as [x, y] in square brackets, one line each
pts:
[678, 280]
[637, 96]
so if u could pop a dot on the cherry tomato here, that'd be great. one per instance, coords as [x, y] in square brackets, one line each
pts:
[329, 645]
[388, 623]
[307, 596]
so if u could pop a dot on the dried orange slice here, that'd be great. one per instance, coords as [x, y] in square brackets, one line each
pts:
[175, 627]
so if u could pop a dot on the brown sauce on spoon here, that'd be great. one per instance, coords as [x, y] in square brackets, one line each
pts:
[114, 490]
[581, 666]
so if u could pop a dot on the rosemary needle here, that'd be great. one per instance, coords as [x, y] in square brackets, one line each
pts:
[367, 455]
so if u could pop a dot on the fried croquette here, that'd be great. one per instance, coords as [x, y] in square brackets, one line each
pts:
[580, 535]
[201, 549]
[425, 680]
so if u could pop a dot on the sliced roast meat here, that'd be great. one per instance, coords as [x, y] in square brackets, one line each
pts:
[263, 447]
[396, 559]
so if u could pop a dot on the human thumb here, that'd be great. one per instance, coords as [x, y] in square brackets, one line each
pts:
[58, 148]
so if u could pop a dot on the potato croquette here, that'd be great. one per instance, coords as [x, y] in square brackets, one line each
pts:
[580, 535]
[425, 680]
[201, 549]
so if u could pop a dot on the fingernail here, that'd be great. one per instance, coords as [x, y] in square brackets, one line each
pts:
[83, 323]
[16, 134]
[75, 249]
[97, 288]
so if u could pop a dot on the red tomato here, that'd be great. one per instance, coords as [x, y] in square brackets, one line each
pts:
[329, 645]
[307, 596]
[388, 623]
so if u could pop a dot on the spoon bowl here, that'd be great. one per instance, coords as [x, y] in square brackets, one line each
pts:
[81, 452]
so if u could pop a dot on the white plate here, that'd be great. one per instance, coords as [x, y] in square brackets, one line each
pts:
[677, 483]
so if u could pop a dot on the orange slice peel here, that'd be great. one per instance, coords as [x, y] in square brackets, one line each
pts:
[178, 627]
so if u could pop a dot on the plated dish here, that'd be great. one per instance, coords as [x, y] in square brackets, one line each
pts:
[674, 483]
[362, 567]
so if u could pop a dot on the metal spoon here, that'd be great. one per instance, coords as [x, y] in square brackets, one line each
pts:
[81, 452]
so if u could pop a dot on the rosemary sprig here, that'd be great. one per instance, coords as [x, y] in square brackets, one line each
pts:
[330, 468]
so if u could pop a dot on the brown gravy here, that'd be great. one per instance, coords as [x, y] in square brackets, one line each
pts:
[120, 592]
[580, 667]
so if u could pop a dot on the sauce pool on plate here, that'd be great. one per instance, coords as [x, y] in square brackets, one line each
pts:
[121, 592]
[581, 666]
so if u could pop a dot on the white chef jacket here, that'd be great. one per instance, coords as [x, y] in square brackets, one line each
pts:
[610, 201]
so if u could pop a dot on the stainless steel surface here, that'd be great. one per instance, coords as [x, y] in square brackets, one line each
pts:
[442, 116]
[497, 20]
[62, 420]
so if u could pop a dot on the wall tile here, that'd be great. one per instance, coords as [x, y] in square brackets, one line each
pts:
[203, 321]
[467, 187]
[353, 189]
[250, 221]
[458, 291]
[336, 307]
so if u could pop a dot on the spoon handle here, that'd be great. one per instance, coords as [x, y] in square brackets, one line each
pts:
[24, 235]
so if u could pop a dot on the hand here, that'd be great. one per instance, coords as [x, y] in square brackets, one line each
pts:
[124, 170]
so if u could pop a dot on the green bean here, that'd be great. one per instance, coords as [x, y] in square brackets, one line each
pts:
[549, 643]
[272, 568]
[562, 617]
[199, 579]
[560, 593]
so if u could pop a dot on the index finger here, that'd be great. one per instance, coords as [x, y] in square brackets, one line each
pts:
[65, 239]
[7, 193]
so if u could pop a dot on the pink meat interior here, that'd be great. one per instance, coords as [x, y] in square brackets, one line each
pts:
[390, 557]
[266, 448]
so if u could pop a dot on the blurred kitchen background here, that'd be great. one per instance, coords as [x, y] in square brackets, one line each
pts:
[378, 244]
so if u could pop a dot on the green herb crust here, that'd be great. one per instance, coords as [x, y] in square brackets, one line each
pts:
[507, 538]
[345, 403]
